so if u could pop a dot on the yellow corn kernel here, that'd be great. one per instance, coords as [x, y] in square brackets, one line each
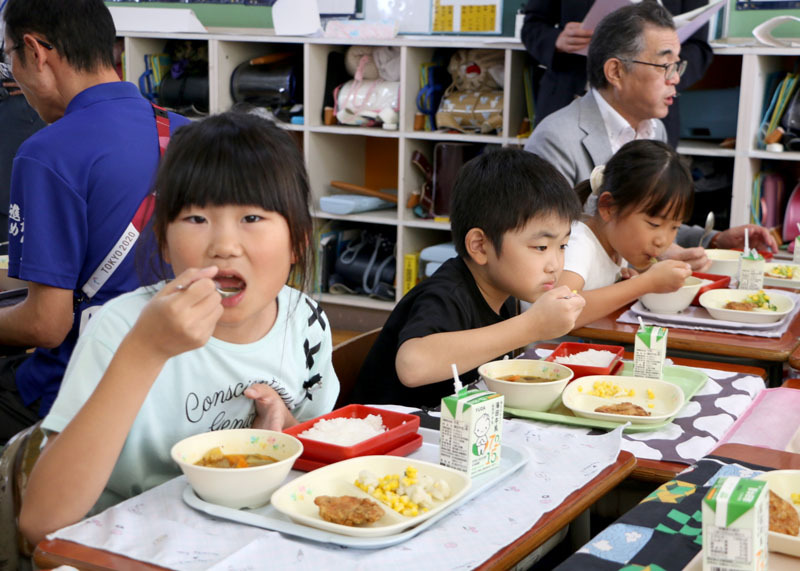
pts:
[650, 394]
[796, 498]
[650, 405]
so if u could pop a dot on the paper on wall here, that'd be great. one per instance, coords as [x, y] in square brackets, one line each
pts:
[296, 17]
[763, 32]
[686, 24]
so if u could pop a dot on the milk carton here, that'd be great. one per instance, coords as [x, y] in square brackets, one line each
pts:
[470, 431]
[735, 525]
[751, 270]
[649, 351]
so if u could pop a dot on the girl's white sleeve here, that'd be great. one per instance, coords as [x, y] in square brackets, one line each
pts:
[321, 384]
[90, 359]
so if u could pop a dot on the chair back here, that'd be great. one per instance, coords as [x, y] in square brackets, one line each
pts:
[16, 463]
[347, 358]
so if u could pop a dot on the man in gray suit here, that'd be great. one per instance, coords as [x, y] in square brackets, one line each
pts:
[633, 68]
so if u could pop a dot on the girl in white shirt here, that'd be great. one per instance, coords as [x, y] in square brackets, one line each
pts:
[167, 361]
[643, 193]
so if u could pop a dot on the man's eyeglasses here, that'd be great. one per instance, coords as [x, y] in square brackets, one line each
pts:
[670, 69]
[46, 45]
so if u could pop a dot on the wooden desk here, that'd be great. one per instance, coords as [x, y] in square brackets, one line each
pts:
[768, 352]
[52, 553]
[777, 459]
[658, 471]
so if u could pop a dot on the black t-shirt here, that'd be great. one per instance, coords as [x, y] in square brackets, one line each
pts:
[449, 300]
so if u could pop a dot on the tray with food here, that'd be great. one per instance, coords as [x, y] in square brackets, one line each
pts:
[687, 380]
[782, 275]
[747, 306]
[702, 317]
[295, 508]
[784, 515]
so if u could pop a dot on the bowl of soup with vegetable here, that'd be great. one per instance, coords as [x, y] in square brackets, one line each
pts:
[528, 384]
[237, 468]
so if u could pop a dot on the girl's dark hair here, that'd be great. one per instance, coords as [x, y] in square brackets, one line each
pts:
[503, 190]
[648, 176]
[236, 158]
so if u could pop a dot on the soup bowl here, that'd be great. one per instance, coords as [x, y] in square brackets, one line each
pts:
[536, 396]
[237, 487]
[723, 262]
[675, 301]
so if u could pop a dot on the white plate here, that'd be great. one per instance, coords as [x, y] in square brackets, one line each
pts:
[666, 402]
[697, 316]
[296, 499]
[715, 299]
[771, 280]
[784, 483]
[267, 517]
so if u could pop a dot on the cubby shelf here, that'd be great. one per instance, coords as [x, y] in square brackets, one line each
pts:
[341, 152]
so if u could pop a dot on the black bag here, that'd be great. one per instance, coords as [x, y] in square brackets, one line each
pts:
[791, 123]
[367, 266]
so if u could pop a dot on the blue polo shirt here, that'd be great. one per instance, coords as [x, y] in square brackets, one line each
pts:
[75, 187]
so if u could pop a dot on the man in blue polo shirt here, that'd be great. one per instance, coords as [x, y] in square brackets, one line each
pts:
[76, 188]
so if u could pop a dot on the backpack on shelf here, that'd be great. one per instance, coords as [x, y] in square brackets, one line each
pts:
[474, 101]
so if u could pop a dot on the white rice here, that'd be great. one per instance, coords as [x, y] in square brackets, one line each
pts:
[591, 358]
[345, 431]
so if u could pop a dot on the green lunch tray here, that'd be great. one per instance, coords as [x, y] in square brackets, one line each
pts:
[690, 380]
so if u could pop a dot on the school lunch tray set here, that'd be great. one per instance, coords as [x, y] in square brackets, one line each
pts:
[689, 380]
[267, 517]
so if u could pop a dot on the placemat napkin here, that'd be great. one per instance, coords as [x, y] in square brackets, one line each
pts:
[158, 527]
[771, 421]
[664, 531]
[778, 330]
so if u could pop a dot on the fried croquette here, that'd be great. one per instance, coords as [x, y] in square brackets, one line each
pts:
[623, 408]
[348, 510]
[783, 517]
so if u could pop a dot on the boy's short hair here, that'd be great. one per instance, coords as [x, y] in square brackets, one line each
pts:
[503, 190]
[82, 31]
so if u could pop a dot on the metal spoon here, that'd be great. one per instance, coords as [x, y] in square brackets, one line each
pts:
[227, 291]
[708, 227]
[223, 291]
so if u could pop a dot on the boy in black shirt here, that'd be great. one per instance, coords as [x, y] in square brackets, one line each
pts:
[510, 220]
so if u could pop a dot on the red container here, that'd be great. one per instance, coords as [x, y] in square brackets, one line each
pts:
[566, 349]
[399, 428]
[717, 282]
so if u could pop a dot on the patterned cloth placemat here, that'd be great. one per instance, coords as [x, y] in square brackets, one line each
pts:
[664, 531]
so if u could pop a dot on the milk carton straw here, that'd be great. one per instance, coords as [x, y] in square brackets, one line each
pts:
[456, 381]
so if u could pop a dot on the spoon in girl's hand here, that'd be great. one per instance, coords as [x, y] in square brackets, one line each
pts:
[226, 291]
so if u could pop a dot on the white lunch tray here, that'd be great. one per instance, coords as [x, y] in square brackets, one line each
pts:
[694, 315]
[267, 517]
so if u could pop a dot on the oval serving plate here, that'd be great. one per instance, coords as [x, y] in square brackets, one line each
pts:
[666, 402]
[715, 300]
[296, 498]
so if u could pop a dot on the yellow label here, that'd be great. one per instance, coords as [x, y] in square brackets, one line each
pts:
[442, 17]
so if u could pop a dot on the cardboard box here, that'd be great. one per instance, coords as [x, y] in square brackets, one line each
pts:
[471, 427]
[735, 525]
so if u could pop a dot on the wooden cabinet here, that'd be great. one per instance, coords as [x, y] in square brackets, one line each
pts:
[344, 153]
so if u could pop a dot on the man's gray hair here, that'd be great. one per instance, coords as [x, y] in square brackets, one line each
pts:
[621, 35]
